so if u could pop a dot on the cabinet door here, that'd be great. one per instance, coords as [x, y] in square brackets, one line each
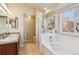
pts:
[0, 49]
[9, 49]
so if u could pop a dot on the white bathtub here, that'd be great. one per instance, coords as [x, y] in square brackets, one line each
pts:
[61, 43]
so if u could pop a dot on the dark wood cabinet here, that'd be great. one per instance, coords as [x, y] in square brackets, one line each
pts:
[9, 49]
[0, 50]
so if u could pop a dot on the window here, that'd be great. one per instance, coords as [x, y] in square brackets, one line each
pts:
[70, 20]
[50, 24]
[76, 16]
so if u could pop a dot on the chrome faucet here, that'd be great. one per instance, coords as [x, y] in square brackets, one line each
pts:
[3, 36]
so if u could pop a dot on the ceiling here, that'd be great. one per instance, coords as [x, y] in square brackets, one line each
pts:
[50, 6]
[40, 6]
[43, 5]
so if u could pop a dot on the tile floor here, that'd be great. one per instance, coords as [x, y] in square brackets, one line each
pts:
[30, 48]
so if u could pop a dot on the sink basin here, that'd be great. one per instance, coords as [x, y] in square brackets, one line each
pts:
[9, 40]
[14, 35]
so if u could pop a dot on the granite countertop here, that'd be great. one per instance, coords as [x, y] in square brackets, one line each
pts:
[10, 39]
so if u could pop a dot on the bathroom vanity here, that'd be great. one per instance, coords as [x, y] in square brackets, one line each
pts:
[10, 45]
[9, 49]
[9, 42]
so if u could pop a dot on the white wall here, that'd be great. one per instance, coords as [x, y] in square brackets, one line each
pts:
[39, 16]
[18, 10]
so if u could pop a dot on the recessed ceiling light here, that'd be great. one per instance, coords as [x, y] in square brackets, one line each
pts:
[45, 8]
[29, 16]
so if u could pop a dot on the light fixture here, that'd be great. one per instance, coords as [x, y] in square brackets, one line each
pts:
[29, 16]
[2, 10]
[45, 8]
[5, 7]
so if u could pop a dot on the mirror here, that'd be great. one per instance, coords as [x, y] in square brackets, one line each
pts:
[13, 22]
[3, 22]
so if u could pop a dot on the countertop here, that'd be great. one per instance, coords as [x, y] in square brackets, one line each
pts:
[10, 39]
